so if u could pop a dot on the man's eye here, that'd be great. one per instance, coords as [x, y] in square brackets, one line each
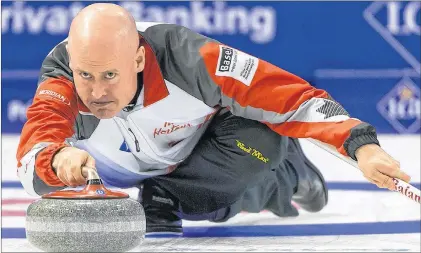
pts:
[85, 75]
[110, 75]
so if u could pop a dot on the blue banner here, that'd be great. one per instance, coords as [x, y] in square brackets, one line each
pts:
[366, 54]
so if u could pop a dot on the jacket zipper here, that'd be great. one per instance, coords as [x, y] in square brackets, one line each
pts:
[136, 142]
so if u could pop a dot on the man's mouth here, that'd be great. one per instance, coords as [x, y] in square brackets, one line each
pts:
[101, 104]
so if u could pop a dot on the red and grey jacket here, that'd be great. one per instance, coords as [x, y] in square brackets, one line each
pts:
[187, 78]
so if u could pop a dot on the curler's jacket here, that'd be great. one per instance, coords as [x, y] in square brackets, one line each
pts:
[187, 78]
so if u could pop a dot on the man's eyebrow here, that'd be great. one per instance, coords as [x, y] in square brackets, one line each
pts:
[106, 71]
[81, 70]
[110, 70]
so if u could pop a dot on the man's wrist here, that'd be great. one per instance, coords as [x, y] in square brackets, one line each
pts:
[365, 149]
[57, 151]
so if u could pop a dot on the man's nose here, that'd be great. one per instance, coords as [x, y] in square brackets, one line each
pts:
[98, 90]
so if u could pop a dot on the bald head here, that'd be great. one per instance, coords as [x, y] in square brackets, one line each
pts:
[105, 57]
[103, 26]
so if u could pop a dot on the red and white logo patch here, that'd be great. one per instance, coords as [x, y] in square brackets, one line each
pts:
[236, 64]
[54, 95]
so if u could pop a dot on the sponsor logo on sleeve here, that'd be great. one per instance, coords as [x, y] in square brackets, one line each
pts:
[54, 95]
[236, 64]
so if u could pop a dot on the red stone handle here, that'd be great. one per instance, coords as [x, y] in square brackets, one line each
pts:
[94, 189]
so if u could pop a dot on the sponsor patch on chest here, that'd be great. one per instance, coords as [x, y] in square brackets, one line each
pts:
[169, 128]
[236, 64]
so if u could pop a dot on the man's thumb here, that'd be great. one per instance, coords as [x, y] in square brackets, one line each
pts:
[90, 162]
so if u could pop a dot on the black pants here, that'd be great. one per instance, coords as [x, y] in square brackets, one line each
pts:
[238, 164]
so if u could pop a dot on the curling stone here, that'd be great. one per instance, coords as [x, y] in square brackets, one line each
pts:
[94, 219]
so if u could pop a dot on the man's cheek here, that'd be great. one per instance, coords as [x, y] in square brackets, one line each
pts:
[83, 92]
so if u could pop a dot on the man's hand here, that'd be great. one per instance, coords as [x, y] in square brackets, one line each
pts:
[68, 163]
[379, 167]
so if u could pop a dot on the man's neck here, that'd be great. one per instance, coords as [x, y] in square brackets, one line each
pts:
[133, 102]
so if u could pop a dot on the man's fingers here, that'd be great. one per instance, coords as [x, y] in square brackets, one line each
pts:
[61, 174]
[69, 172]
[68, 164]
[70, 177]
[383, 181]
[66, 178]
[371, 180]
[74, 172]
[77, 175]
[387, 167]
[393, 170]
[377, 183]
[90, 161]
[388, 183]
[402, 175]
[72, 180]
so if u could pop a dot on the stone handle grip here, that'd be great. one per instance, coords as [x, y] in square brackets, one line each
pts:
[90, 173]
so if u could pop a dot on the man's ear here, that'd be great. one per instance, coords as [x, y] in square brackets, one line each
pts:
[140, 59]
[68, 55]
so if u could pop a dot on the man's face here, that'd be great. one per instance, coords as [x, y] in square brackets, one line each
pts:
[105, 78]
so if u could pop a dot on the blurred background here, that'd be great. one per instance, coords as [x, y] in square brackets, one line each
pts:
[365, 54]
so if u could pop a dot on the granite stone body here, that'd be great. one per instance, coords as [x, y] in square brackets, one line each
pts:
[85, 225]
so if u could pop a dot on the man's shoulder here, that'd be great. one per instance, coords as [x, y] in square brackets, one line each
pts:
[144, 26]
[166, 33]
[56, 63]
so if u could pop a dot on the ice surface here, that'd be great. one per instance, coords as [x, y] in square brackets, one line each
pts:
[353, 221]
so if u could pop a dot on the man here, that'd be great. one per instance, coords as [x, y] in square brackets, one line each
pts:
[204, 130]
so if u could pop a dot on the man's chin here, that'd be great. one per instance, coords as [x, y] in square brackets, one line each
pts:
[104, 113]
